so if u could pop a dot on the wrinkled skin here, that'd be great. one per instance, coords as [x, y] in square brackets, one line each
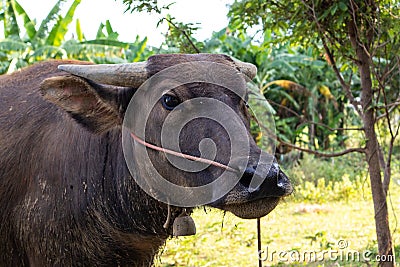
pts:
[66, 194]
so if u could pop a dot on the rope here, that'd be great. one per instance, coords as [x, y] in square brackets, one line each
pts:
[259, 242]
[182, 155]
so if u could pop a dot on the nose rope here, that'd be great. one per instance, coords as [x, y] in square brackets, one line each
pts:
[182, 155]
[259, 251]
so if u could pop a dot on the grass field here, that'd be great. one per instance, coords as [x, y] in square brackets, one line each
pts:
[337, 227]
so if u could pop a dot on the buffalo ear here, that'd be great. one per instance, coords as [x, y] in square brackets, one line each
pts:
[93, 106]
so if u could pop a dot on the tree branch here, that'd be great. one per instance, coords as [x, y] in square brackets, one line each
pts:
[392, 107]
[323, 154]
[332, 129]
[285, 108]
[387, 173]
[345, 86]
[184, 34]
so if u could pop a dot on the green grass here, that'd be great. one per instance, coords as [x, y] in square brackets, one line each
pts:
[230, 241]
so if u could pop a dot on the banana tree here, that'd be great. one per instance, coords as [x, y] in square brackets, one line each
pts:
[304, 91]
[298, 83]
[37, 43]
[47, 40]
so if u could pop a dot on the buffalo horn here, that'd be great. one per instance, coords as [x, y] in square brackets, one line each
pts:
[247, 69]
[126, 74]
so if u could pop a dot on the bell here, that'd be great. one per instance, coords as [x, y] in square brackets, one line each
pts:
[183, 225]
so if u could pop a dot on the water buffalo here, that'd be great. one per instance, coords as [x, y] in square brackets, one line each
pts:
[67, 197]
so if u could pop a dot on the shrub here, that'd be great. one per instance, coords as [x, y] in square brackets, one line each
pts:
[326, 191]
[311, 169]
[319, 181]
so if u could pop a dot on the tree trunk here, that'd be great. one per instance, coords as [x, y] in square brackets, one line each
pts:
[378, 194]
[372, 153]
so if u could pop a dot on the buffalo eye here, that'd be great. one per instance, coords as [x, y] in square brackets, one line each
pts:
[169, 102]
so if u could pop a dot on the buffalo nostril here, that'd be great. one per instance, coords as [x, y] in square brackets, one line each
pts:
[274, 183]
[284, 184]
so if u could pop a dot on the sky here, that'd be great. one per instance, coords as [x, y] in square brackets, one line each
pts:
[211, 14]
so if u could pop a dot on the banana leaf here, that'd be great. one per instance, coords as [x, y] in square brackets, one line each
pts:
[52, 18]
[106, 42]
[12, 45]
[60, 29]
[79, 34]
[11, 28]
[28, 23]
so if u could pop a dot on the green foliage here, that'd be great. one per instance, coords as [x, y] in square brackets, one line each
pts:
[303, 108]
[179, 38]
[321, 239]
[238, 45]
[79, 34]
[334, 179]
[58, 32]
[48, 41]
[323, 192]
[110, 34]
[296, 20]
[299, 84]
[37, 44]
[42, 35]
[321, 31]
[310, 168]
[143, 5]
[11, 29]
[28, 23]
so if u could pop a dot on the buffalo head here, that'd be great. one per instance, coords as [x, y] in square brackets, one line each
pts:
[99, 97]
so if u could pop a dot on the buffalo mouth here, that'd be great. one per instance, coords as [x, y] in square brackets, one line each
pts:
[253, 203]
[252, 209]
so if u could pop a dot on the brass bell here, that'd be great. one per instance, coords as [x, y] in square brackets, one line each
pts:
[183, 225]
